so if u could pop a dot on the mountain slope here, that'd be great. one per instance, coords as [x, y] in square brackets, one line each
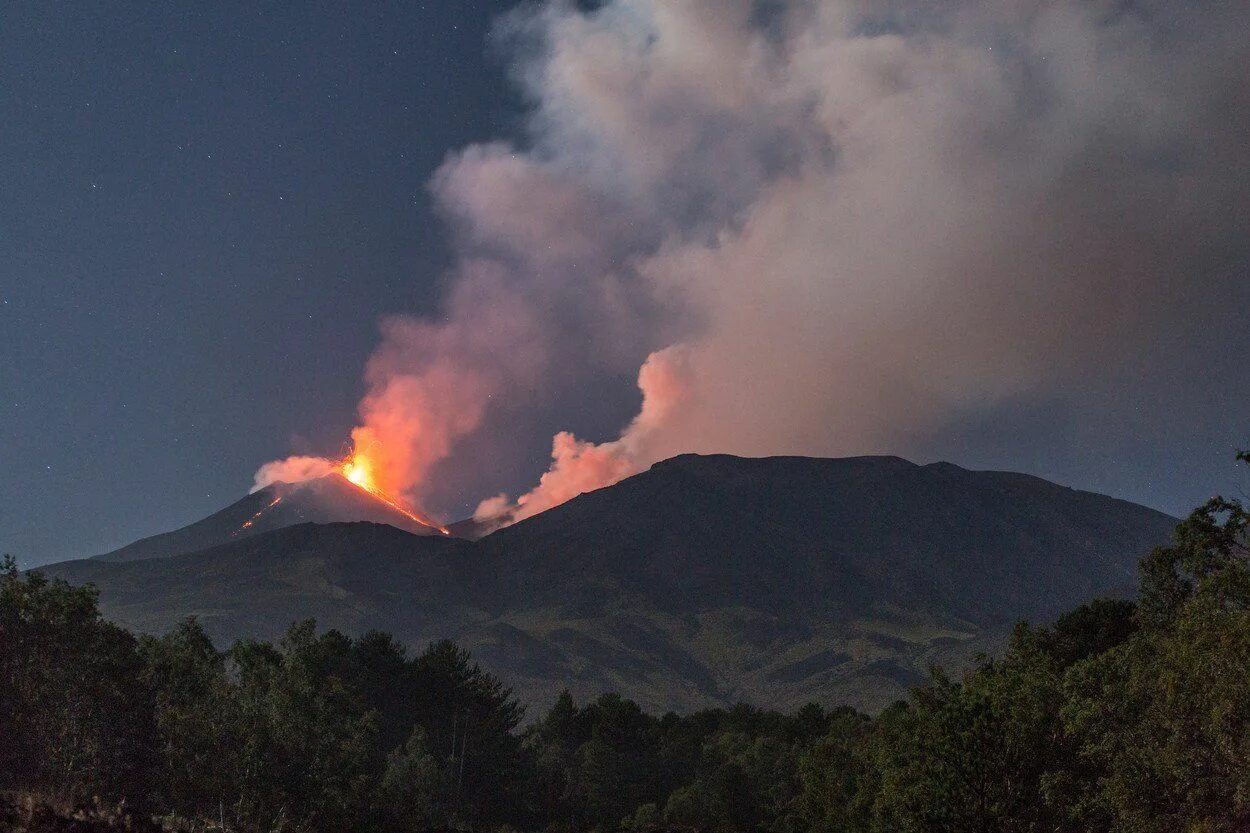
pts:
[328, 499]
[704, 580]
[352, 575]
[820, 533]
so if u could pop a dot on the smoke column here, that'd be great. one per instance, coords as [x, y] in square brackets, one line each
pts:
[822, 227]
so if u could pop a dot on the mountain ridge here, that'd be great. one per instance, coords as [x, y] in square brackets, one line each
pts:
[704, 580]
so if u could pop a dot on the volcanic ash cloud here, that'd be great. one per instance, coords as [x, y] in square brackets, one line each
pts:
[821, 227]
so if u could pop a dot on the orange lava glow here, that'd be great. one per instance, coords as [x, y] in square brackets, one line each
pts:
[358, 470]
[254, 518]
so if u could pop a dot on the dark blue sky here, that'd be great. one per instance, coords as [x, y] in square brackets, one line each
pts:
[204, 211]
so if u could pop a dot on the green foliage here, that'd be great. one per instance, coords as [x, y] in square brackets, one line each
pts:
[838, 776]
[414, 787]
[1210, 557]
[968, 758]
[743, 781]
[199, 719]
[646, 817]
[75, 716]
[609, 766]
[599, 764]
[1165, 717]
[470, 718]
[305, 733]
[297, 737]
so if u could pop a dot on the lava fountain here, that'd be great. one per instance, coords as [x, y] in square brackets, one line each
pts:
[357, 469]
[363, 469]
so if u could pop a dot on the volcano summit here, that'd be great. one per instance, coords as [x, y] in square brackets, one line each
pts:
[332, 498]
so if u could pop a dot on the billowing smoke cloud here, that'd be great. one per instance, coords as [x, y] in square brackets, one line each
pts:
[578, 466]
[292, 470]
[429, 384]
[833, 226]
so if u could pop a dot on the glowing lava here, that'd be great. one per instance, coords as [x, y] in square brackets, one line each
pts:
[358, 471]
[255, 517]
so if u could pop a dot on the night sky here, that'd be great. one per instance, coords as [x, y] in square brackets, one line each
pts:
[205, 210]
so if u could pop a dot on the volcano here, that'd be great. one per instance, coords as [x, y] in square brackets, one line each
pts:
[704, 581]
[329, 499]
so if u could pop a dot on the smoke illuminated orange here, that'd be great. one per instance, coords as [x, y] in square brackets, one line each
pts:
[358, 470]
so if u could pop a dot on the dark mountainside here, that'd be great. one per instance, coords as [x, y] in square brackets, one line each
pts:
[706, 580]
[328, 499]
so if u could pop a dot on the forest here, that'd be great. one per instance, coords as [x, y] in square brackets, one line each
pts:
[1119, 716]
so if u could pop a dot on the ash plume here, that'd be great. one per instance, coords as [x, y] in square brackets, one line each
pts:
[823, 226]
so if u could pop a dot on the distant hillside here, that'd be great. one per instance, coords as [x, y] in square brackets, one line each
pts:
[703, 580]
[329, 499]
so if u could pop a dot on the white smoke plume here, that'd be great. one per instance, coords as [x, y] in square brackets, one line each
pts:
[578, 466]
[833, 226]
[292, 470]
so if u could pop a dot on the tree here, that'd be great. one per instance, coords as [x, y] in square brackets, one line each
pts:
[615, 769]
[198, 718]
[553, 743]
[381, 671]
[1165, 717]
[978, 757]
[838, 777]
[1210, 557]
[469, 717]
[745, 782]
[75, 715]
[306, 734]
[413, 788]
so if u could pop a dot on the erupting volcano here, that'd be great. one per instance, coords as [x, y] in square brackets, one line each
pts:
[357, 470]
[356, 477]
[328, 492]
[346, 494]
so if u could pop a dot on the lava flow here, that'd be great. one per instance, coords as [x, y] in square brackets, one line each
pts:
[254, 518]
[357, 470]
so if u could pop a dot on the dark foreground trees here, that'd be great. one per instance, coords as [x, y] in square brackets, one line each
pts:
[1118, 718]
[321, 732]
[74, 716]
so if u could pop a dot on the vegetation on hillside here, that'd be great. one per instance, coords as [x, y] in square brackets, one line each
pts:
[1119, 717]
